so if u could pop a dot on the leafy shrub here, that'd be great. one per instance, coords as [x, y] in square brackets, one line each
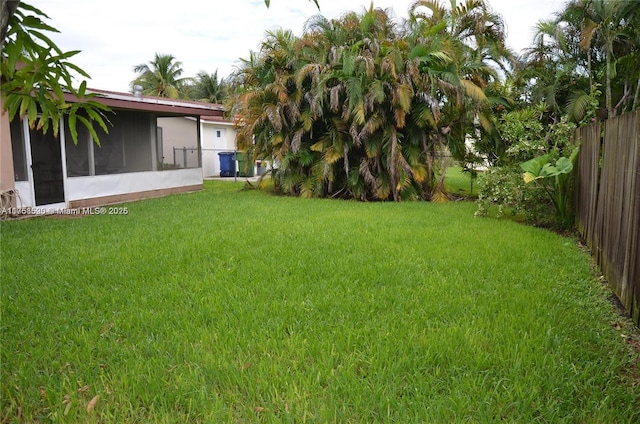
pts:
[523, 133]
[504, 188]
[527, 137]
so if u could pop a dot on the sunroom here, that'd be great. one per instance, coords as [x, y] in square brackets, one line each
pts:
[52, 173]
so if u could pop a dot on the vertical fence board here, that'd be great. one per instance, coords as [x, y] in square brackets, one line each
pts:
[587, 177]
[604, 230]
[608, 204]
[628, 187]
[631, 271]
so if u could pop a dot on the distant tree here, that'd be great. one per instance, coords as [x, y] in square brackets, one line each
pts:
[610, 28]
[36, 73]
[553, 71]
[161, 77]
[208, 88]
[589, 51]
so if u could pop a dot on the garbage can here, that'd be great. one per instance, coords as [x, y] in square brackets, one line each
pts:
[245, 165]
[227, 164]
[262, 167]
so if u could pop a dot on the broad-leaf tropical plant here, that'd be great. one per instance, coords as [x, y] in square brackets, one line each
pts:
[36, 75]
[555, 179]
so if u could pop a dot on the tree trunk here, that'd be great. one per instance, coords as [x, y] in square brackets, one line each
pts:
[589, 69]
[392, 163]
[610, 110]
[7, 9]
[636, 97]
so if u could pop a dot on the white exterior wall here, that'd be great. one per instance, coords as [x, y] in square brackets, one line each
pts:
[26, 195]
[79, 188]
[179, 132]
[212, 145]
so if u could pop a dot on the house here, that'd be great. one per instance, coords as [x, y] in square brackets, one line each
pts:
[217, 136]
[51, 173]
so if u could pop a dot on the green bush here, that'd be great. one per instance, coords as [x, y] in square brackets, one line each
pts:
[503, 187]
[503, 191]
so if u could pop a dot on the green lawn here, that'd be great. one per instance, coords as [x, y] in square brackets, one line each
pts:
[459, 183]
[237, 306]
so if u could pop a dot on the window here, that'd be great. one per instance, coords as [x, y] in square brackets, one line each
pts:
[128, 145]
[219, 133]
[17, 146]
[78, 155]
[126, 148]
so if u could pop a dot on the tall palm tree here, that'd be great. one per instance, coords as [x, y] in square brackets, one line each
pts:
[555, 70]
[606, 27]
[588, 44]
[161, 77]
[208, 88]
[268, 109]
[473, 43]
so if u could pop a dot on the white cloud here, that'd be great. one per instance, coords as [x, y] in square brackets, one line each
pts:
[116, 35]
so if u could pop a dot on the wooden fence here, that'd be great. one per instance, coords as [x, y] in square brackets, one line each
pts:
[608, 203]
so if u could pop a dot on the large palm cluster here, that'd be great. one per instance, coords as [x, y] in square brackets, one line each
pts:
[361, 106]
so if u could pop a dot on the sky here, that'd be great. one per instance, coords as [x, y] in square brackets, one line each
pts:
[210, 35]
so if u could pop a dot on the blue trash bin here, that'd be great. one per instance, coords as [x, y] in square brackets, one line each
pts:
[227, 164]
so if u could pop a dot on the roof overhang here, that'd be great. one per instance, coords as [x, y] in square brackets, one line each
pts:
[158, 105]
[217, 120]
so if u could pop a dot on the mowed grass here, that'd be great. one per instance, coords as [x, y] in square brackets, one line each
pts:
[460, 183]
[228, 306]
